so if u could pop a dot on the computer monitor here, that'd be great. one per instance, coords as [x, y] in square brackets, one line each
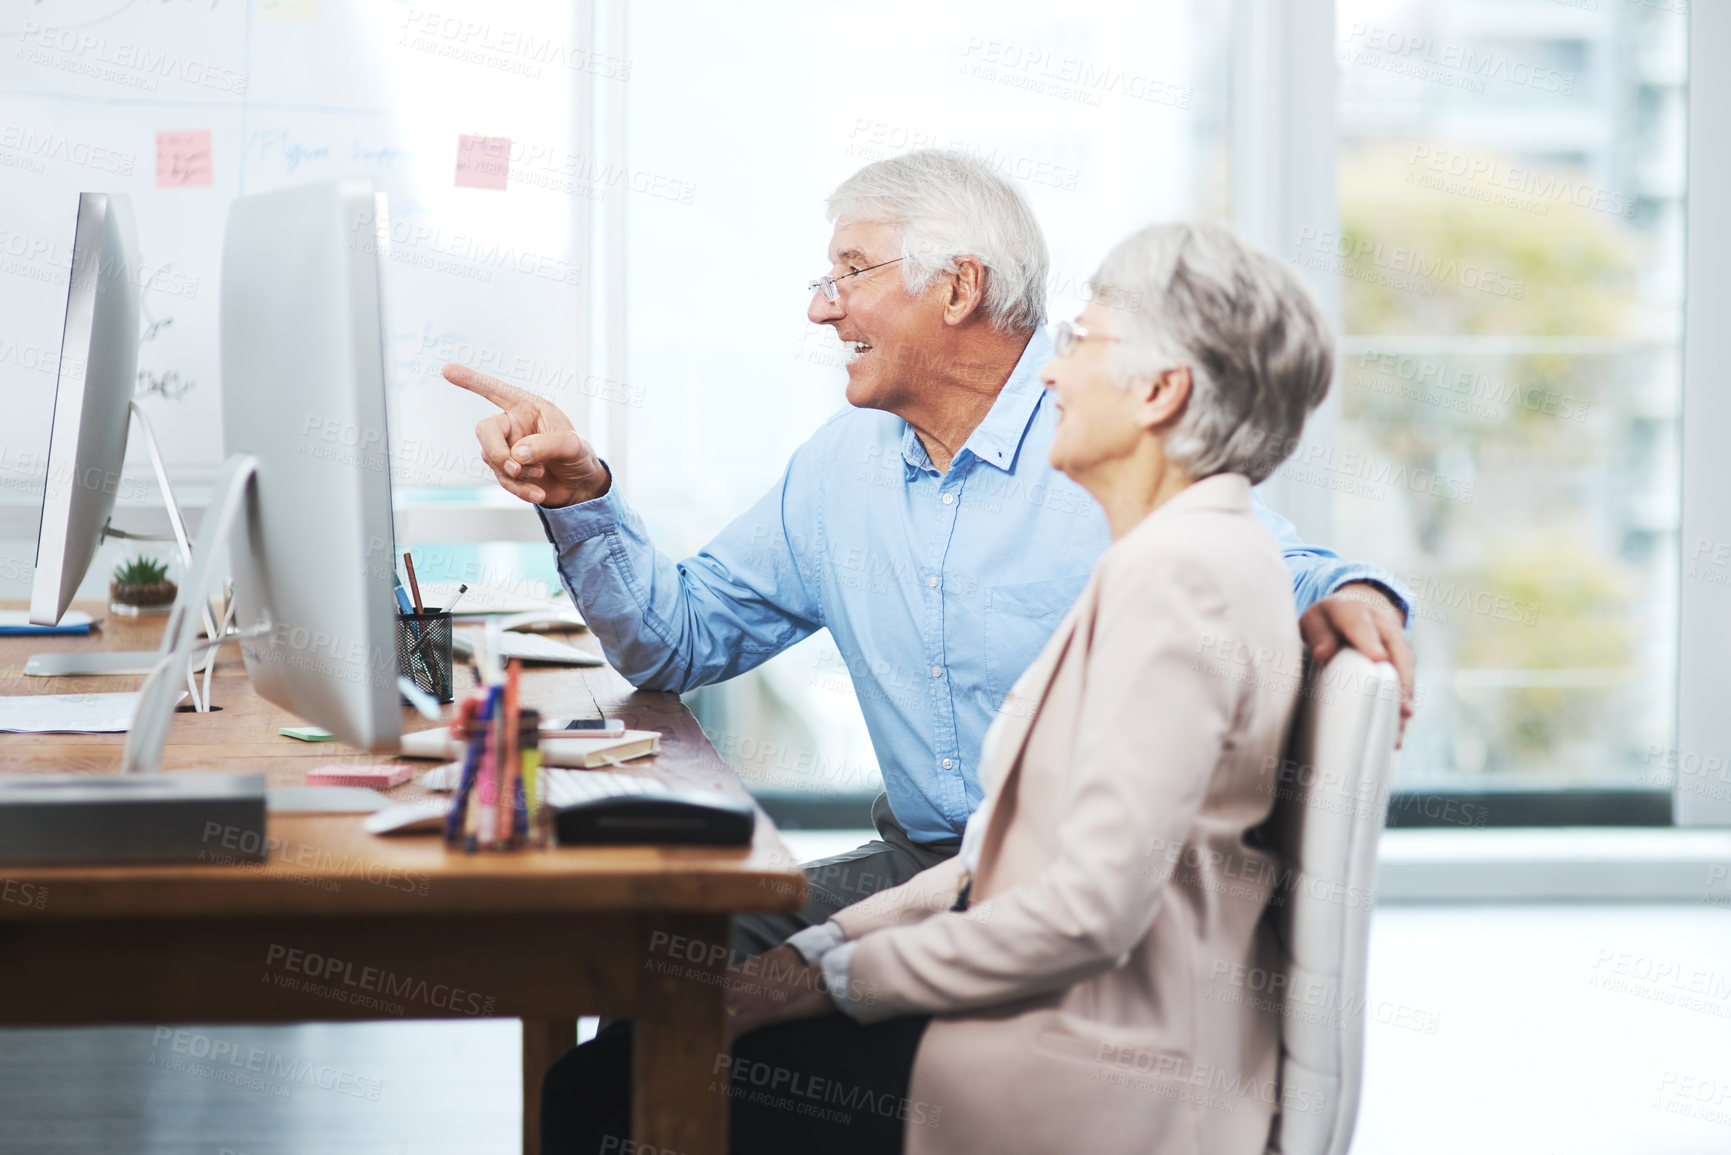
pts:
[303, 392]
[305, 519]
[93, 410]
[98, 365]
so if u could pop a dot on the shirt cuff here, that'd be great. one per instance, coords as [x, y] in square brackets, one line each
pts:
[1348, 574]
[570, 524]
[836, 965]
[814, 942]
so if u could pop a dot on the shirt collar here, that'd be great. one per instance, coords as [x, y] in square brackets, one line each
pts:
[996, 438]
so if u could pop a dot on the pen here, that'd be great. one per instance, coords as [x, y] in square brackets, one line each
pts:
[416, 659]
[414, 586]
[512, 768]
[461, 590]
[463, 725]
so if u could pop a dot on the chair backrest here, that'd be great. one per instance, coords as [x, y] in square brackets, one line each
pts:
[1331, 796]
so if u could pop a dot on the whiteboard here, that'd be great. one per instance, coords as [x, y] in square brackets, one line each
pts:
[185, 104]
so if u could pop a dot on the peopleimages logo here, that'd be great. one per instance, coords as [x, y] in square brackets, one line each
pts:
[342, 980]
[1398, 262]
[1437, 167]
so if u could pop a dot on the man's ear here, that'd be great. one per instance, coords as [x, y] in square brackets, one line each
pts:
[967, 290]
[1160, 401]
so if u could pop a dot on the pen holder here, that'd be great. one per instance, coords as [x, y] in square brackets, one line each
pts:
[424, 652]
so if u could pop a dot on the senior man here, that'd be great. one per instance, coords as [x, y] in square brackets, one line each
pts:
[923, 526]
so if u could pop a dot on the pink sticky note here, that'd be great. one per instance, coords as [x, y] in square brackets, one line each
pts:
[482, 161]
[378, 777]
[183, 158]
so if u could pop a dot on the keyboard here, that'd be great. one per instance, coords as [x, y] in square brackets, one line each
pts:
[528, 647]
[572, 787]
[597, 807]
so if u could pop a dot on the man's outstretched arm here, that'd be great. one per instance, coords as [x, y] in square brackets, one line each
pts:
[663, 625]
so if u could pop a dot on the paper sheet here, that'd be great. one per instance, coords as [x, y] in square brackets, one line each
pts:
[67, 713]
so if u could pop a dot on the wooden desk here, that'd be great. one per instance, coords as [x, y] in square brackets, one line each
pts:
[340, 925]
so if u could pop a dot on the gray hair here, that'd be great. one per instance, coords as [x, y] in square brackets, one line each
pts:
[951, 206]
[1257, 345]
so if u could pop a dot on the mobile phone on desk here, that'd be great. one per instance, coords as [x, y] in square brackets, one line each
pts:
[583, 727]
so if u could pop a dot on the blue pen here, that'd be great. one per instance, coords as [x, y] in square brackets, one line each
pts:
[478, 713]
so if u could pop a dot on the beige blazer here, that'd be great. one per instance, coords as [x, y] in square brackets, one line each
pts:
[1099, 992]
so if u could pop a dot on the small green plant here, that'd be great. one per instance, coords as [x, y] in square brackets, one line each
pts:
[140, 571]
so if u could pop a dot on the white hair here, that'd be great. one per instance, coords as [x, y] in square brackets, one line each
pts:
[1255, 341]
[950, 206]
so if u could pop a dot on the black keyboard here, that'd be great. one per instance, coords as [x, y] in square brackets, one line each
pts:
[593, 807]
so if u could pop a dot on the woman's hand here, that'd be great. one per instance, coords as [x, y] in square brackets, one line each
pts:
[777, 986]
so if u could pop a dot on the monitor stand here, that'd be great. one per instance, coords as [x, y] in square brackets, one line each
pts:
[141, 815]
[161, 690]
[84, 665]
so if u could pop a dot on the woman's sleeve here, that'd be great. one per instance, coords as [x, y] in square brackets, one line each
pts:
[931, 891]
[1150, 734]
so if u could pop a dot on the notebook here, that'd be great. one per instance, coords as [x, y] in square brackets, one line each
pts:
[17, 622]
[585, 753]
[525, 647]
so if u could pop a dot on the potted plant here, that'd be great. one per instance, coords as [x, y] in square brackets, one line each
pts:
[141, 586]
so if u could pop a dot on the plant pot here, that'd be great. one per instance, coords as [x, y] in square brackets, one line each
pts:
[130, 601]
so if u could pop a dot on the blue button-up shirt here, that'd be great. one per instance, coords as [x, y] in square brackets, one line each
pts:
[938, 589]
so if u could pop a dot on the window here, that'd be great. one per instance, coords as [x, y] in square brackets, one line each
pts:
[1110, 114]
[1509, 254]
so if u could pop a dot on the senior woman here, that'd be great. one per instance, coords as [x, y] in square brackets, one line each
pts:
[1064, 983]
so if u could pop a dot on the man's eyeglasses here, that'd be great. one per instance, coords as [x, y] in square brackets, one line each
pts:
[1067, 336]
[831, 287]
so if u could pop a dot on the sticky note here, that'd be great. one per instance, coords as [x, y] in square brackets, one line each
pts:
[183, 159]
[377, 777]
[288, 9]
[482, 161]
[307, 733]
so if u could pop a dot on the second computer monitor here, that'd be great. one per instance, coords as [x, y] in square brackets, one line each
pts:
[93, 395]
[303, 391]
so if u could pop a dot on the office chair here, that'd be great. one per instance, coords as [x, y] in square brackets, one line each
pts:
[1331, 799]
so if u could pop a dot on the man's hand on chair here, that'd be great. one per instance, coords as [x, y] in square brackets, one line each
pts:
[1363, 616]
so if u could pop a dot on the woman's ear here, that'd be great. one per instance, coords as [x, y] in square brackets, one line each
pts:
[1161, 400]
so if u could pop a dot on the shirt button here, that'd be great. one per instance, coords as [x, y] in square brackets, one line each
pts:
[949, 763]
[932, 581]
[937, 671]
[949, 499]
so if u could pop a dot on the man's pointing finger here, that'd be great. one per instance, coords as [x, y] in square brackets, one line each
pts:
[498, 392]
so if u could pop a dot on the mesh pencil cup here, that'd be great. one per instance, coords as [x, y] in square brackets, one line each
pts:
[424, 652]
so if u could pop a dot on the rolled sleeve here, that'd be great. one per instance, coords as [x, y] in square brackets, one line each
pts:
[572, 525]
[1318, 572]
[669, 625]
[1348, 572]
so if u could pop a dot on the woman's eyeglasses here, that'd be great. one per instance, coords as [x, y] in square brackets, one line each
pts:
[1066, 336]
